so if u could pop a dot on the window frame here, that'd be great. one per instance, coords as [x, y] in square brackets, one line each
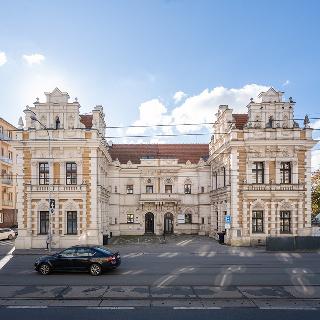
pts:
[258, 172]
[71, 174]
[255, 226]
[44, 173]
[284, 171]
[283, 221]
[188, 218]
[150, 188]
[129, 188]
[44, 223]
[187, 188]
[130, 218]
[168, 188]
[72, 223]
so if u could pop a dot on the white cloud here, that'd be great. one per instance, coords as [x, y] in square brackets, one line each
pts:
[178, 96]
[35, 58]
[203, 107]
[286, 83]
[199, 108]
[3, 58]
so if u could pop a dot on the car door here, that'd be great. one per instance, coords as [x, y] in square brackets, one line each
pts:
[2, 234]
[82, 260]
[65, 259]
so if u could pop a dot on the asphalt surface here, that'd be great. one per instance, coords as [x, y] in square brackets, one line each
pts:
[185, 275]
[156, 314]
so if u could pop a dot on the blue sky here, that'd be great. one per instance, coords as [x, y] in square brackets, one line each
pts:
[133, 56]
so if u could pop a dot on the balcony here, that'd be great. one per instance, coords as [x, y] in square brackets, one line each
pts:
[6, 160]
[56, 188]
[7, 203]
[273, 187]
[7, 181]
[159, 197]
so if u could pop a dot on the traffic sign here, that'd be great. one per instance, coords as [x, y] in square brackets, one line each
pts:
[227, 225]
[52, 203]
[227, 219]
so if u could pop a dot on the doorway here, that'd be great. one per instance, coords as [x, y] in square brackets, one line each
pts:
[168, 223]
[149, 222]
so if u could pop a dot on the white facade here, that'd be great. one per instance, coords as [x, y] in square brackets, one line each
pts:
[102, 189]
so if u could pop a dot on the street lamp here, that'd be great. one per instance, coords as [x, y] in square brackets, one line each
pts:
[34, 118]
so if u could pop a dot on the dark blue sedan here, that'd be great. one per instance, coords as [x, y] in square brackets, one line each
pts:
[94, 259]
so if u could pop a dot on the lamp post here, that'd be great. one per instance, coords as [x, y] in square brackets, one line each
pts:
[34, 118]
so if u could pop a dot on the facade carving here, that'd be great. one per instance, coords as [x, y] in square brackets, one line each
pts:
[256, 169]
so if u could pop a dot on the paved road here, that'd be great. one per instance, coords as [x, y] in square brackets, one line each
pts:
[157, 314]
[184, 272]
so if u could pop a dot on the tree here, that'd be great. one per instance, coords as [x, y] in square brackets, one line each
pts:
[315, 192]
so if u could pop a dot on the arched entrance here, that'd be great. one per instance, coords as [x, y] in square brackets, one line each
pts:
[149, 222]
[168, 223]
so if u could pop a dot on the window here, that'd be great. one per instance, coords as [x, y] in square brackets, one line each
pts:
[149, 189]
[202, 220]
[10, 155]
[85, 252]
[258, 172]
[285, 172]
[71, 173]
[168, 188]
[224, 176]
[43, 173]
[257, 221]
[202, 189]
[187, 188]
[115, 189]
[115, 221]
[285, 221]
[188, 218]
[130, 218]
[209, 220]
[1, 217]
[71, 252]
[217, 217]
[44, 222]
[129, 189]
[216, 179]
[72, 222]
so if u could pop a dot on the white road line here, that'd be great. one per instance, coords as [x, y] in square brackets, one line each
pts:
[287, 308]
[27, 307]
[6, 258]
[165, 280]
[196, 308]
[110, 308]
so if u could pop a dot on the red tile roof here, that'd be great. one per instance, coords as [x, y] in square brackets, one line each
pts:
[86, 119]
[240, 120]
[182, 152]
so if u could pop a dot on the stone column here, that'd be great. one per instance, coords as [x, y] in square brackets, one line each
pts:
[273, 230]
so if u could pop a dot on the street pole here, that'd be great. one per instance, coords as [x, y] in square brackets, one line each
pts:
[34, 118]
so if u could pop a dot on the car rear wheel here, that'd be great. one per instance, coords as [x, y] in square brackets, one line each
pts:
[95, 269]
[10, 237]
[44, 269]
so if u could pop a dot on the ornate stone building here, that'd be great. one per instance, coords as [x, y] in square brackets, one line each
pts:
[260, 171]
[8, 216]
[256, 169]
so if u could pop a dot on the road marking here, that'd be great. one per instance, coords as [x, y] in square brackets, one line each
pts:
[27, 307]
[110, 308]
[183, 243]
[165, 280]
[196, 308]
[6, 258]
[287, 308]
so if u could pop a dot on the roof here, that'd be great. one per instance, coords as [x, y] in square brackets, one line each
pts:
[182, 152]
[240, 120]
[86, 119]
[7, 123]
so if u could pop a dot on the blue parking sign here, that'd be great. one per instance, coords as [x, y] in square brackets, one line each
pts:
[227, 219]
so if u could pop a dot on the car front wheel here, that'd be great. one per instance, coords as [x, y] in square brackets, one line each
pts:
[44, 269]
[10, 237]
[95, 269]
